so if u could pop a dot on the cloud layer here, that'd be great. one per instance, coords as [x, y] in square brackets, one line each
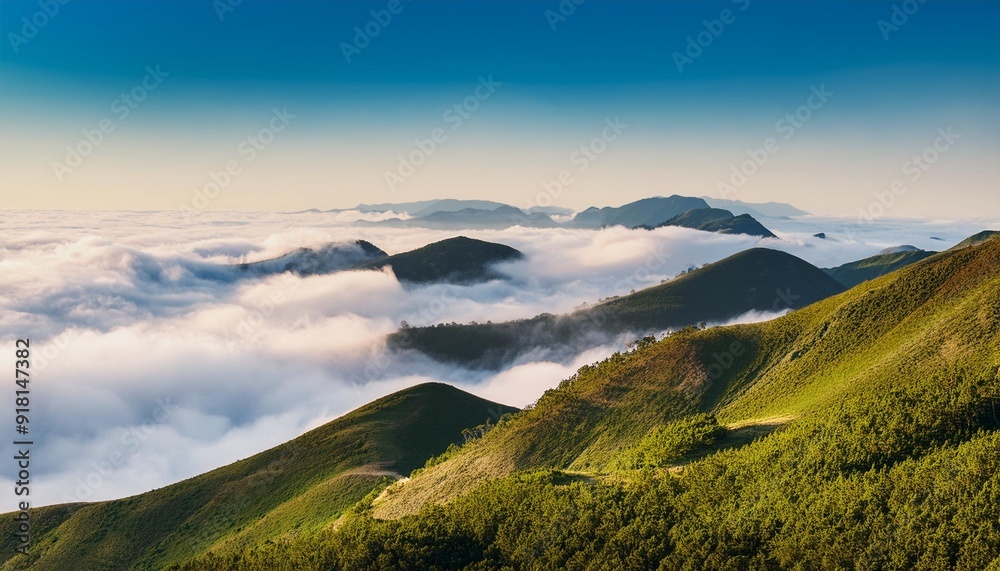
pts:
[153, 362]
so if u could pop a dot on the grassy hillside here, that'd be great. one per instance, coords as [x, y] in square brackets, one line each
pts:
[858, 433]
[898, 332]
[459, 260]
[756, 279]
[853, 273]
[298, 487]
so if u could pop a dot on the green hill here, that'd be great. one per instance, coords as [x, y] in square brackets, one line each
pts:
[886, 453]
[297, 487]
[756, 279]
[458, 260]
[853, 273]
[976, 239]
[719, 221]
[860, 432]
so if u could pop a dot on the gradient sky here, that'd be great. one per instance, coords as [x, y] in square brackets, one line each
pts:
[893, 89]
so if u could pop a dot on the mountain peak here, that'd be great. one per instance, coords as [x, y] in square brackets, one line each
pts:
[720, 221]
[458, 260]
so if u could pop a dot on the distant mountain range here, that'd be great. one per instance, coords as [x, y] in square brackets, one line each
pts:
[475, 218]
[756, 279]
[646, 213]
[759, 210]
[456, 260]
[649, 212]
[425, 207]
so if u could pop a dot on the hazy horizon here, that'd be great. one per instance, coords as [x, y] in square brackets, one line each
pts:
[141, 122]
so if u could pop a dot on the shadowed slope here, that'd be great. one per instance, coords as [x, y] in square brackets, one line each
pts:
[853, 273]
[757, 279]
[719, 221]
[458, 260]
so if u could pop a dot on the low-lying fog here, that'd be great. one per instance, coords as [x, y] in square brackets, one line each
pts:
[153, 362]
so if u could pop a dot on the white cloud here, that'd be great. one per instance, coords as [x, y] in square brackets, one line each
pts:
[127, 311]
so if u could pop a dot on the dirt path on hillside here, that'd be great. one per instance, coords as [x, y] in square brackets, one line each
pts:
[376, 470]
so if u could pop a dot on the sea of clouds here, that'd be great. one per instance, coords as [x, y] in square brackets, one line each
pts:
[154, 360]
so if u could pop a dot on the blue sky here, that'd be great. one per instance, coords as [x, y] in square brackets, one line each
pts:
[224, 77]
